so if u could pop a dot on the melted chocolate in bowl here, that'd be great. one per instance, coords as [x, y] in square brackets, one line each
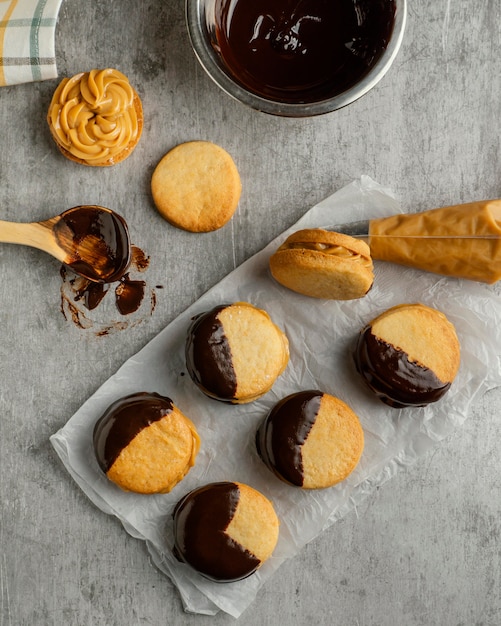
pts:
[298, 51]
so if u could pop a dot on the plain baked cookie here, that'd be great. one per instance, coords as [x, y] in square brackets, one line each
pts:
[196, 186]
[409, 355]
[311, 440]
[225, 530]
[145, 444]
[323, 264]
[235, 352]
[96, 117]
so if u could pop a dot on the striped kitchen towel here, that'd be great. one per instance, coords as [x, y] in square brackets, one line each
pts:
[27, 33]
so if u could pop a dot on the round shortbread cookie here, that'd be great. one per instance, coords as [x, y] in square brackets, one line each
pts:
[225, 530]
[145, 444]
[196, 186]
[323, 264]
[409, 355]
[311, 440]
[235, 352]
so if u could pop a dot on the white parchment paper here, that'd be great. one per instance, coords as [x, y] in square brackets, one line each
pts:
[321, 335]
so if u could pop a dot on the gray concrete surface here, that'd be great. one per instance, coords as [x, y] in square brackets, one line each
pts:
[425, 549]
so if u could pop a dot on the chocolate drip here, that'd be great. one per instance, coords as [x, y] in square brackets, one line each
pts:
[208, 356]
[280, 437]
[395, 379]
[310, 50]
[129, 294]
[200, 521]
[125, 419]
[91, 293]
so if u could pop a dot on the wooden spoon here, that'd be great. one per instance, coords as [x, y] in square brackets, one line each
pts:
[91, 240]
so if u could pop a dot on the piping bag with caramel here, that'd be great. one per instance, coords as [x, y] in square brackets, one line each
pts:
[462, 240]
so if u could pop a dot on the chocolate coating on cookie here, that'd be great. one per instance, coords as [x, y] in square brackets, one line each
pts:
[145, 444]
[235, 353]
[311, 440]
[396, 380]
[280, 437]
[123, 421]
[208, 356]
[200, 521]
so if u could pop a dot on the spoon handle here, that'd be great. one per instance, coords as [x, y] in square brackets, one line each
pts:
[35, 234]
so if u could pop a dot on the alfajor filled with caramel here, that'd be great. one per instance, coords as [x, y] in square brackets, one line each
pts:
[409, 355]
[311, 439]
[235, 352]
[225, 530]
[145, 444]
[323, 264]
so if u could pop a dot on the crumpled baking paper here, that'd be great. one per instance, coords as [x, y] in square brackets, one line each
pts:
[321, 335]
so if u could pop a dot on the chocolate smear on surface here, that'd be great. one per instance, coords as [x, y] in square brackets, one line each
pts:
[129, 294]
[88, 305]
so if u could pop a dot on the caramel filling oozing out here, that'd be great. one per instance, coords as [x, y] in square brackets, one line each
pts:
[93, 116]
[341, 252]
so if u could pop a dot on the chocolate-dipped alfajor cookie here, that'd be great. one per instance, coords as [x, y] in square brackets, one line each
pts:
[225, 530]
[145, 444]
[311, 440]
[235, 352]
[409, 355]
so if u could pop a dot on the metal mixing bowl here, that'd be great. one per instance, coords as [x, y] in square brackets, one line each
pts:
[200, 18]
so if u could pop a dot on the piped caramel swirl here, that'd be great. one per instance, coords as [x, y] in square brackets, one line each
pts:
[95, 116]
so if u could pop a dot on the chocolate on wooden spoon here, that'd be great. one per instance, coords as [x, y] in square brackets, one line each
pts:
[91, 240]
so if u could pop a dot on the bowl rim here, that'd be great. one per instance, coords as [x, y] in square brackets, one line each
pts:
[209, 60]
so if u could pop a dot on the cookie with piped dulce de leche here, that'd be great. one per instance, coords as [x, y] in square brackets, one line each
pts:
[311, 439]
[409, 355]
[145, 444]
[235, 352]
[96, 117]
[225, 530]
